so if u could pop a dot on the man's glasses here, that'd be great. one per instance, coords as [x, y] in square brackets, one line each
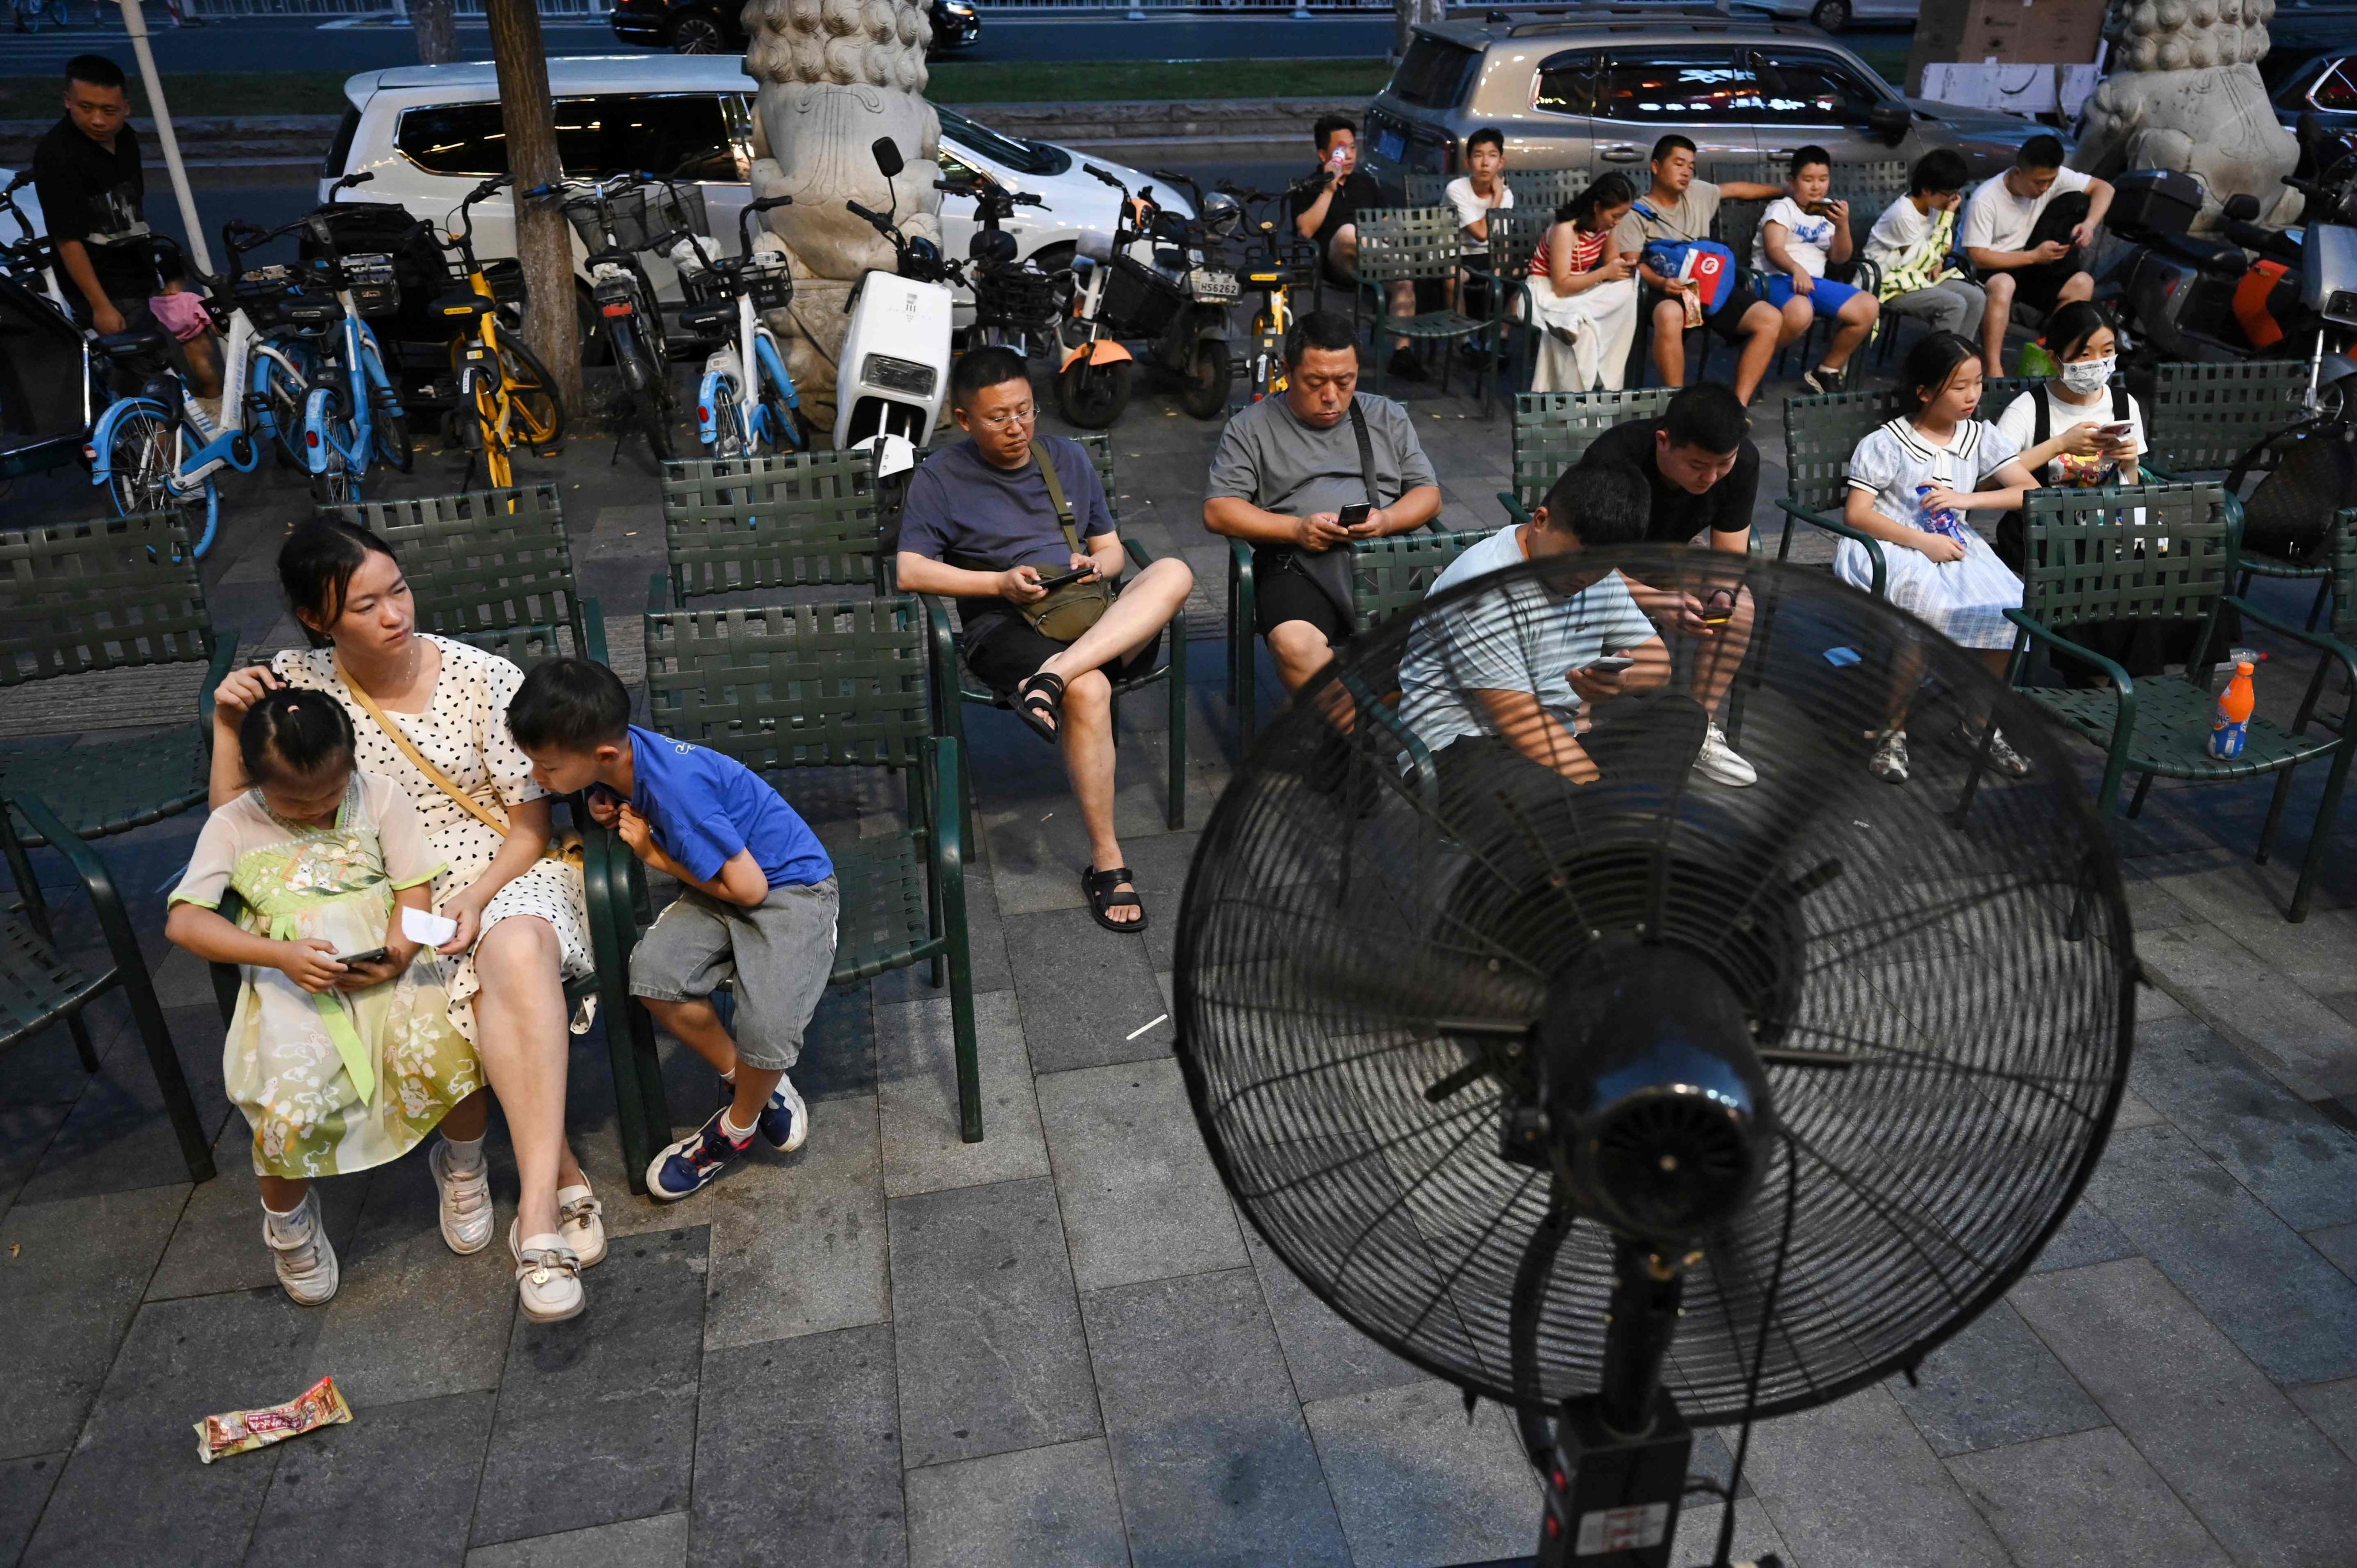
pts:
[1008, 421]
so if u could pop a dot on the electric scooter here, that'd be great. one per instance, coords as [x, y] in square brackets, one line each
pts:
[896, 356]
[1179, 306]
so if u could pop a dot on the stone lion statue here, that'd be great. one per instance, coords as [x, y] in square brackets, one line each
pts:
[2184, 93]
[835, 75]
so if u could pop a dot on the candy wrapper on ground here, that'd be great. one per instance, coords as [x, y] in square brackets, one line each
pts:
[237, 1430]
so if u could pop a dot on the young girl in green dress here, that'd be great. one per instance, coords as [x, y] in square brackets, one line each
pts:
[341, 1052]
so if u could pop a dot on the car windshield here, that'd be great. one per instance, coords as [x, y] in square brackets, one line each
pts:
[1023, 158]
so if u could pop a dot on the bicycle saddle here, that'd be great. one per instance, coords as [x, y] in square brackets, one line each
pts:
[710, 313]
[131, 345]
[312, 312]
[468, 303]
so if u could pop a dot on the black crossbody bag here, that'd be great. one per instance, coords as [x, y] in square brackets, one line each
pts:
[1072, 609]
[1330, 569]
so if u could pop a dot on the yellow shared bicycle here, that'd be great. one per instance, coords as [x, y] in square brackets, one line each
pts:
[506, 397]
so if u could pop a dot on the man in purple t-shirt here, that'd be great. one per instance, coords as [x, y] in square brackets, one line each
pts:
[979, 526]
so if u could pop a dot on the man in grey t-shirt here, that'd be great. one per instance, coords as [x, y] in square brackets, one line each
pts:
[1284, 469]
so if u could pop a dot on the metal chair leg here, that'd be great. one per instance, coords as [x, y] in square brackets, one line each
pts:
[2136, 802]
[2275, 815]
[2326, 811]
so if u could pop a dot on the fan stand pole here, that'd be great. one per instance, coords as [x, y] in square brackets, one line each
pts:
[1621, 1454]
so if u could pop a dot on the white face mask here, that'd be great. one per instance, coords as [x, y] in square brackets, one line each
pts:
[2089, 375]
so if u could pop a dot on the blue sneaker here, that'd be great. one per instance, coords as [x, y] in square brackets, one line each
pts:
[694, 1162]
[785, 1121]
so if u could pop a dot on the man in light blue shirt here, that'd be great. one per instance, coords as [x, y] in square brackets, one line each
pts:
[1515, 681]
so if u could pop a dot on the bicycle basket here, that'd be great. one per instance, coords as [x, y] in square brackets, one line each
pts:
[370, 276]
[1139, 300]
[628, 209]
[676, 212]
[1016, 296]
[770, 279]
[261, 293]
[505, 274]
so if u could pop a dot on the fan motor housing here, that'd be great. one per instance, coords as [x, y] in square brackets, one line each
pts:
[1654, 1094]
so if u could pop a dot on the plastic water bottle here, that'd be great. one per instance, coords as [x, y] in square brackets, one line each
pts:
[2232, 727]
[1936, 521]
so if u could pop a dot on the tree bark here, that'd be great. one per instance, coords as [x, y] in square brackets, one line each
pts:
[543, 241]
[437, 31]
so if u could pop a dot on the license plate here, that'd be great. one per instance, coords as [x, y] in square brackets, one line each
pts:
[1209, 285]
[1389, 145]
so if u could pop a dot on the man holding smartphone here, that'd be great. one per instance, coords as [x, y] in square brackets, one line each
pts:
[1326, 204]
[982, 525]
[1291, 478]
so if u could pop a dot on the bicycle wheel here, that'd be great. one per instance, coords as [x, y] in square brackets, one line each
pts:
[388, 421]
[482, 419]
[638, 383]
[139, 461]
[281, 394]
[727, 424]
[538, 412]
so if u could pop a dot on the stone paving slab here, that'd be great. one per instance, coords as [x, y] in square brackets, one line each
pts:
[1063, 1344]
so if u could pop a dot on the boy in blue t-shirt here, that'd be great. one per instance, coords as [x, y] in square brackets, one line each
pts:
[758, 907]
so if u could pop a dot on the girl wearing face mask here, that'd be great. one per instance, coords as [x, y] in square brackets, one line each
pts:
[2082, 338]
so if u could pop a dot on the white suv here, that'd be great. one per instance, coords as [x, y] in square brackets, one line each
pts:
[428, 133]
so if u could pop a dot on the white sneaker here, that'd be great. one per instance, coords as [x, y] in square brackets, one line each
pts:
[548, 1276]
[2002, 757]
[466, 1200]
[1717, 761]
[305, 1257]
[579, 1224]
[1888, 762]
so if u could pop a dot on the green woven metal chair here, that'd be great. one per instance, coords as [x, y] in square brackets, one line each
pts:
[803, 519]
[1423, 189]
[784, 688]
[80, 597]
[40, 986]
[952, 679]
[2203, 417]
[1553, 430]
[2098, 558]
[1545, 189]
[2343, 587]
[1412, 245]
[492, 568]
[1515, 235]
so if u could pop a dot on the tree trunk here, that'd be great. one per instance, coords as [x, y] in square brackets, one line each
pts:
[437, 31]
[543, 241]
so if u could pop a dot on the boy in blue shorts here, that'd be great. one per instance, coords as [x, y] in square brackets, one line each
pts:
[757, 907]
[1802, 232]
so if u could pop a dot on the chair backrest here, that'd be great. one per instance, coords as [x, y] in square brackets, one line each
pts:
[1553, 430]
[492, 568]
[1738, 226]
[1869, 188]
[794, 521]
[1407, 244]
[1514, 234]
[1424, 189]
[103, 595]
[2139, 552]
[2344, 574]
[787, 686]
[1394, 573]
[1820, 433]
[2202, 417]
[1545, 189]
[1097, 444]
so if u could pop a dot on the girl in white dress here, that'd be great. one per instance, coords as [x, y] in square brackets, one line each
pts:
[340, 1053]
[1584, 297]
[1911, 482]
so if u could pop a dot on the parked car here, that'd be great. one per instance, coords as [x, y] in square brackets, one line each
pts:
[2323, 84]
[1832, 16]
[429, 133]
[717, 26]
[1596, 91]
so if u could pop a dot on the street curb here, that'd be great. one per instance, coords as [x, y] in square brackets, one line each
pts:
[219, 147]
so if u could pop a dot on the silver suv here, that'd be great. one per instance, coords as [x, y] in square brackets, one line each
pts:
[1595, 87]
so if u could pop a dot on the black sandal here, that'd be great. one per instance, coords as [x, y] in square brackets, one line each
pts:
[1103, 899]
[1041, 694]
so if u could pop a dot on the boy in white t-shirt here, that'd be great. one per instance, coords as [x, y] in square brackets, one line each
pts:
[2025, 230]
[1481, 188]
[1912, 245]
[1802, 232]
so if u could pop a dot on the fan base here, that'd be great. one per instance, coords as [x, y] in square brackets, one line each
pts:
[1612, 1501]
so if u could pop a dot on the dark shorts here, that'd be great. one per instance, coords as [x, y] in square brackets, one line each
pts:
[1003, 651]
[2037, 288]
[1283, 591]
[1726, 320]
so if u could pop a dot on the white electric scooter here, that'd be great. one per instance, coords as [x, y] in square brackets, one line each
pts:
[895, 367]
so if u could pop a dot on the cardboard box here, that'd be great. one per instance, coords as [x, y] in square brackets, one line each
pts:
[2008, 32]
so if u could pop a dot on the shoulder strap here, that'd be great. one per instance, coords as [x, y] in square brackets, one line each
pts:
[2043, 430]
[418, 760]
[1047, 461]
[1366, 453]
[2119, 402]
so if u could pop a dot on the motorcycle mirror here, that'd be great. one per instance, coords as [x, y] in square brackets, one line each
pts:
[888, 158]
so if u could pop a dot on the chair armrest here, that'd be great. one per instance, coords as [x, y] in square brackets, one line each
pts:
[1379, 712]
[122, 941]
[1791, 507]
[592, 632]
[659, 593]
[2120, 680]
[229, 979]
[1515, 512]
[224, 656]
[941, 659]
[945, 845]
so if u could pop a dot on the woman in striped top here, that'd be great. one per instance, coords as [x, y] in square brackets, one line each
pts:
[1583, 298]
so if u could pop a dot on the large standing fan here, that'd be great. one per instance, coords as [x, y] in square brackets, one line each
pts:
[1651, 1102]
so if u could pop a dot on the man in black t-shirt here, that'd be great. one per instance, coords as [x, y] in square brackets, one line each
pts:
[1326, 210]
[87, 172]
[1703, 473]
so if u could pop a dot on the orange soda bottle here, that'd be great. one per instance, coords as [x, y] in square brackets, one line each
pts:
[2232, 726]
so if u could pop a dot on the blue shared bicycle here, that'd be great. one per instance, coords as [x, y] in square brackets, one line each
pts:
[352, 416]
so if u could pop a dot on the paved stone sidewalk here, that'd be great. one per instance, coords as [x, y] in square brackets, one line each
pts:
[1059, 1344]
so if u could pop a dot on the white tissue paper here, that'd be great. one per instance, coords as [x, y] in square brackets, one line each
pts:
[427, 928]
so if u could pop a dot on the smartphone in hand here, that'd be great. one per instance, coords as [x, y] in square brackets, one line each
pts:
[1354, 515]
[368, 960]
[1062, 579]
[1611, 664]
